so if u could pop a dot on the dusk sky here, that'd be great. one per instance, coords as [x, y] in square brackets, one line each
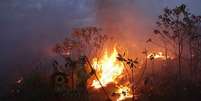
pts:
[29, 28]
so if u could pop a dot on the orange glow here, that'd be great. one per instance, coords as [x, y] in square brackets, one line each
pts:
[124, 93]
[108, 69]
[158, 55]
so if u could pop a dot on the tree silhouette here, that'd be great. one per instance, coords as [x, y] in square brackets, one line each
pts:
[177, 27]
[82, 41]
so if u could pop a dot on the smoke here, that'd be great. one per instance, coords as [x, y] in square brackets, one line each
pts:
[126, 21]
[132, 21]
[30, 28]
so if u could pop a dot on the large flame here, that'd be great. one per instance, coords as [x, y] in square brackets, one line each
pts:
[107, 68]
[110, 71]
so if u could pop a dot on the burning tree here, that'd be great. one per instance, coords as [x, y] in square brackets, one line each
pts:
[104, 65]
[112, 71]
[80, 46]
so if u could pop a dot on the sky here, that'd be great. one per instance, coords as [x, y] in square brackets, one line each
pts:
[30, 28]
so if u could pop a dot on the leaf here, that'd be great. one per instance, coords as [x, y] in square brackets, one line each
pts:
[158, 23]
[136, 62]
[132, 65]
[149, 40]
[120, 57]
[156, 31]
[55, 63]
[165, 32]
[160, 17]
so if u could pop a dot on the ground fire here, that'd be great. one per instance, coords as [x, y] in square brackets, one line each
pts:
[108, 69]
[111, 71]
[124, 92]
[159, 55]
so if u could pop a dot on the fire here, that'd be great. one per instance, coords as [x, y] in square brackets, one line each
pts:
[111, 71]
[124, 93]
[158, 55]
[108, 69]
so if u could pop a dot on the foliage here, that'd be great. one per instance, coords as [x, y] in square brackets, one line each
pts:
[177, 27]
[83, 41]
[177, 24]
[132, 63]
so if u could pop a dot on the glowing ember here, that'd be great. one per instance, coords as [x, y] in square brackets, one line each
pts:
[124, 93]
[158, 55]
[108, 69]
[19, 80]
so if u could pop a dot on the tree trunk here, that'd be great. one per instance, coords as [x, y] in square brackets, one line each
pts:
[152, 68]
[105, 92]
[72, 78]
[180, 45]
[191, 60]
[133, 98]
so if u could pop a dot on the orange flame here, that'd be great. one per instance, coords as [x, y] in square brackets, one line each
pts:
[124, 92]
[108, 69]
[158, 55]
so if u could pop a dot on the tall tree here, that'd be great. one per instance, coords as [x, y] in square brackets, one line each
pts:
[177, 27]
